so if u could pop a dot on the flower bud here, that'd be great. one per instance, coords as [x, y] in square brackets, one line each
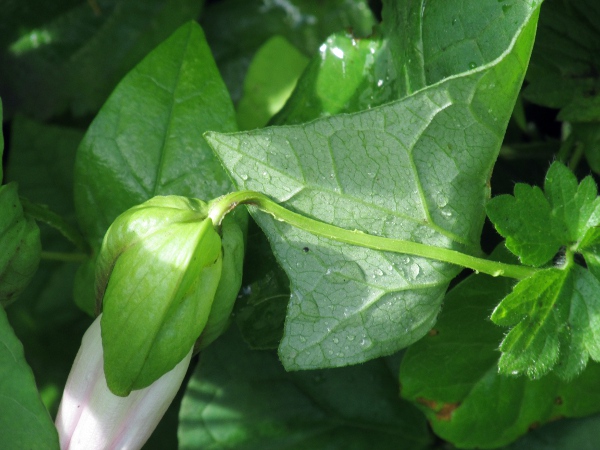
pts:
[233, 241]
[91, 417]
[156, 279]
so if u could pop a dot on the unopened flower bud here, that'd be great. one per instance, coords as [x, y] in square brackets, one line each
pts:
[156, 278]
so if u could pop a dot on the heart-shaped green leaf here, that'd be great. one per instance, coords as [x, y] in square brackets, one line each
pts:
[415, 169]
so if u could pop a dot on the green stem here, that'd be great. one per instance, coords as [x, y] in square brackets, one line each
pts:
[43, 214]
[219, 207]
[64, 257]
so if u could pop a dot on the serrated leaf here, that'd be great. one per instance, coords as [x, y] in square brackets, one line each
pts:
[124, 160]
[527, 223]
[556, 320]
[537, 224]
[415, 169]
[244, 399]
[576, 206]
[452, 374]
[24, 422]
[68, 56]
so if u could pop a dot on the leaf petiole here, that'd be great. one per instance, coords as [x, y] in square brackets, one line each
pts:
[219, 208]
[64, 257]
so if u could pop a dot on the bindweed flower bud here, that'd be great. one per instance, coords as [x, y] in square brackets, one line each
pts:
[157, 276]
[90, 417]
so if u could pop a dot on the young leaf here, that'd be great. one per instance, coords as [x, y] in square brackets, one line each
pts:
[270, 80]
[452, 374]
[537, 224]
[126, 158]
[415, 169]
[557, 320]
[347, 75]
[68, 56]
[527, 223]
[244, 399]
[305, 23]
[24, 422]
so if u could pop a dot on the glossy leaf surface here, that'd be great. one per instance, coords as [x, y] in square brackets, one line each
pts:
[305, 23]
[126, 158]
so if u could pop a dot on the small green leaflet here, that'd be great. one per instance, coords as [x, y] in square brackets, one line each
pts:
[555, 316]
[536, 224]
[557, 322]
[457, 399]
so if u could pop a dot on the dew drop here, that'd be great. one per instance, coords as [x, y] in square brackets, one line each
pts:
[472, 65]
[244, 177]
[336, 340]
[415, 269]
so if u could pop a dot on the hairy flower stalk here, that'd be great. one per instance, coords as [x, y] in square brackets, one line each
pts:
[91, 417]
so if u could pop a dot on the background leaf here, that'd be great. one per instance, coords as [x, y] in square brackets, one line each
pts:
[19, 240]
[415, 170]
[576, 434]
[68, 56]
[270, 80]
[41, 161]
[244, 399]
[24, 422]
[126, 158]
[452, 374]
[564, 64]
[305, 23]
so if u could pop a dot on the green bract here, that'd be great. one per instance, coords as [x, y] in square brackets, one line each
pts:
[156, 278]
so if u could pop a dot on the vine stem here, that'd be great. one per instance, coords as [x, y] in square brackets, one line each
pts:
[64, 257]
[219, 208]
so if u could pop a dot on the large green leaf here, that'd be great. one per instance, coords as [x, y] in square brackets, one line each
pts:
[147, 138]
[452, 374]
[24, 422]
[244, 399]
[68, 55]
[416, 169]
